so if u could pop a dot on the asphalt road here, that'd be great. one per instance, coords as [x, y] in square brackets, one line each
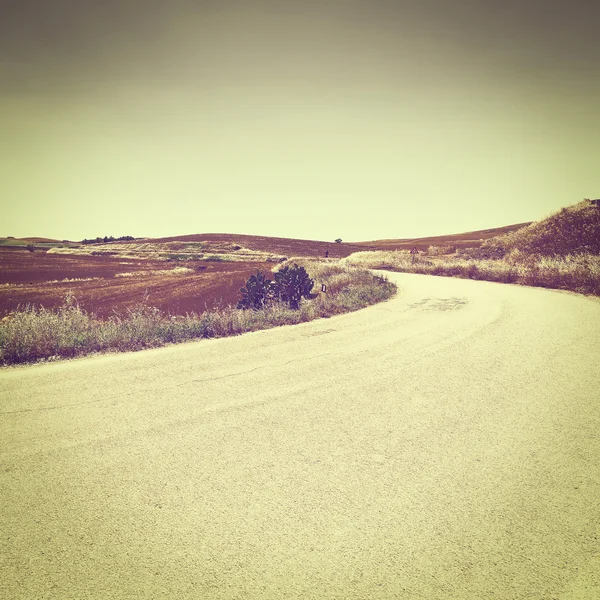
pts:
[442, 445]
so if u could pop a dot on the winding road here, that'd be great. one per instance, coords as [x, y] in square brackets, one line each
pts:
[442, 445]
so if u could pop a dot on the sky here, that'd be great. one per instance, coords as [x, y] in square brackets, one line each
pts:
[320, 119]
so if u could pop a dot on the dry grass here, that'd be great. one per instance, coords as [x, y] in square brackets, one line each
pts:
[572, 230]
[440, 250]
[579, 273]
[175, 272]
[198, 251]
[52, 281]
[33, 334]
[561, 251]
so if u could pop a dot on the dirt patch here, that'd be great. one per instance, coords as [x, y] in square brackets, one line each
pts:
[20, 266]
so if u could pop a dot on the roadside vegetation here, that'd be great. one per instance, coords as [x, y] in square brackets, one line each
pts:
[32, 334]
[560, 252]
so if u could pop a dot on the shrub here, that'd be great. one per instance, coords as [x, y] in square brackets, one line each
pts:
[31, 247]
[439, 250]
[256, 292]
[292, 284]
[491, 250]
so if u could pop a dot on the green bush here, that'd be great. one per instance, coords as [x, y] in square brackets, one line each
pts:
[292, 284]
[256, 292]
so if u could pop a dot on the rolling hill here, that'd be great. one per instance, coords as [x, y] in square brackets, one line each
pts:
[469, 239]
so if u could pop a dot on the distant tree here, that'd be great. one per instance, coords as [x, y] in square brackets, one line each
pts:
[107, 238]
[338, 241]
[31, 247]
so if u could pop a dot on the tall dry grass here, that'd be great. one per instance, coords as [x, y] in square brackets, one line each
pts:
[33, 334]
[572, 230]
[440, 250]
[575, 272]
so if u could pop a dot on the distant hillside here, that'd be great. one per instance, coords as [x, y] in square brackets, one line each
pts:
[285, 246]
[571, 230]
[296, 247]
[470, 239]
[40, 239]
[18, 242]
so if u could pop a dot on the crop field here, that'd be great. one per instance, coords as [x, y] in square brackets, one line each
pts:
[105, 284]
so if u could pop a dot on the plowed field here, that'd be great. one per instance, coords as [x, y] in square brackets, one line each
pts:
[103, 284]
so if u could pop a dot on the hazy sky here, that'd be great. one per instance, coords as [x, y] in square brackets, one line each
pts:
[311, 119]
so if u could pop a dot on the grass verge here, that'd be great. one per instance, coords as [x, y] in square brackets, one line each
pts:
[576, 272]
[33, 334]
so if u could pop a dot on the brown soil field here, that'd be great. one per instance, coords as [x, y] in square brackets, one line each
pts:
[17, 265]
[38, 279]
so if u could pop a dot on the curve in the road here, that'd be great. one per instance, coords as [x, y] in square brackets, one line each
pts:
[443, 444]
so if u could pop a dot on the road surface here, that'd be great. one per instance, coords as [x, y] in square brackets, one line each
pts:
[442, 445]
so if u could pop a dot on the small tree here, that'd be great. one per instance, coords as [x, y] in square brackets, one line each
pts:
[291, 285]
[338, 241]
[31, 247]
[255, 293]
